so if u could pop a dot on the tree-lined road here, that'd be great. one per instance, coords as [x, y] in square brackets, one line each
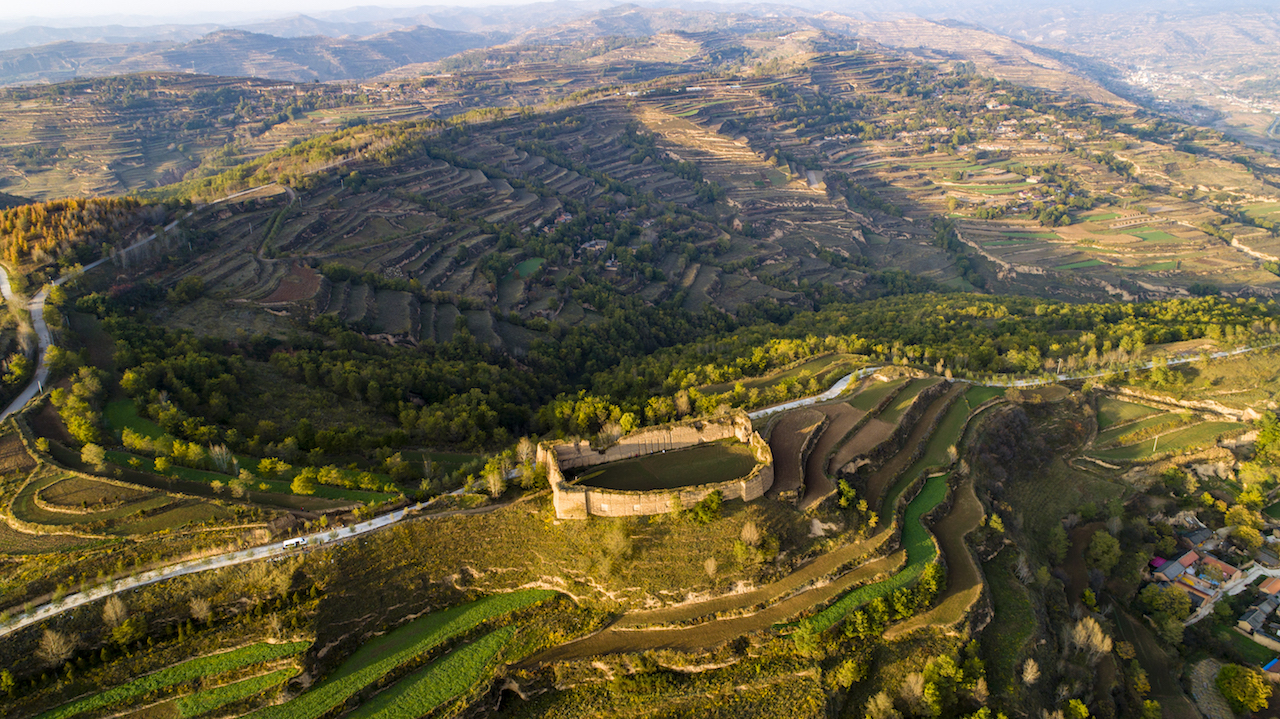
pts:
[253, 554]
[41, 328]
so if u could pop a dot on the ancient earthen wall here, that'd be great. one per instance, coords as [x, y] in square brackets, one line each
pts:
[573, 501]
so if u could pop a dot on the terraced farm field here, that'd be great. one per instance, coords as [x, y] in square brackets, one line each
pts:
[869, 398]
[15, 542]
[193, 669]
[1195, 436]
[877, 492]
[906, 398]
[789, 436]
[376, 658]
[1148, 426]
[818, 485]
[78, 492]
[920, 550]
[438, 682]
[1112, 411]
[964, 577]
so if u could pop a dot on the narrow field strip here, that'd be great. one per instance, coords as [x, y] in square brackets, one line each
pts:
[203, 702]
[376, 658]
[438, 682]
[920, 548]
[177, 674]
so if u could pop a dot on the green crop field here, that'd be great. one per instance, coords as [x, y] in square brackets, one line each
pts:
[526, 268]
[1101, 217]
[123, 413]
[867, 399]
[1112, 411]
[899, 405]
[1199, 435]
[920, 548]
[975, 396]
[208, 700]
[1249, 649]
[1124, 432]
[1160, 266]
[1007, 243]
[1156, 236]
[177, 674]
[991, 189]
[376, 658]
[1083, 264]
[1272, 510]
[704, 464]
[1014, 620]
[438, 682]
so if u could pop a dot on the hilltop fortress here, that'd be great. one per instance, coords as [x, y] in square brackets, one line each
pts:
[577, 501]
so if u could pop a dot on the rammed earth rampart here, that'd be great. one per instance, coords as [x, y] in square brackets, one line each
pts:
[575, 501]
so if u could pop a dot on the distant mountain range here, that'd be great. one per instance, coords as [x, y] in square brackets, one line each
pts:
[1212, 62]
[241, 53]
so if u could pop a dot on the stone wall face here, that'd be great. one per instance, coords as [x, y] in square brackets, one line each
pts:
[578, 502]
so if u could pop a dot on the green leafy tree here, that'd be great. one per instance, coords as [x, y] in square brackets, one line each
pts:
[1104, 551]
[1245, 689]
[1076, 709]
[1248, 537]
[271, 466]
[708, 510]
[305, 481]
[1058, 543]
[94, 456]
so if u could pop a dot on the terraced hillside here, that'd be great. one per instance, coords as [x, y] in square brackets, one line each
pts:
[836, 583]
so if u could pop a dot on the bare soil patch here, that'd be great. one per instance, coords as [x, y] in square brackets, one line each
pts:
[301, 283]
[786, 442]
[14, 456]
[866, 439]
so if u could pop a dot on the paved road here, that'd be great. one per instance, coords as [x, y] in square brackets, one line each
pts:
[43, 338]
[266, 551]
[830, 394]
[843, 384]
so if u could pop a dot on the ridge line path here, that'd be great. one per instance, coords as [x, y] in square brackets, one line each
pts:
[191, 566]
